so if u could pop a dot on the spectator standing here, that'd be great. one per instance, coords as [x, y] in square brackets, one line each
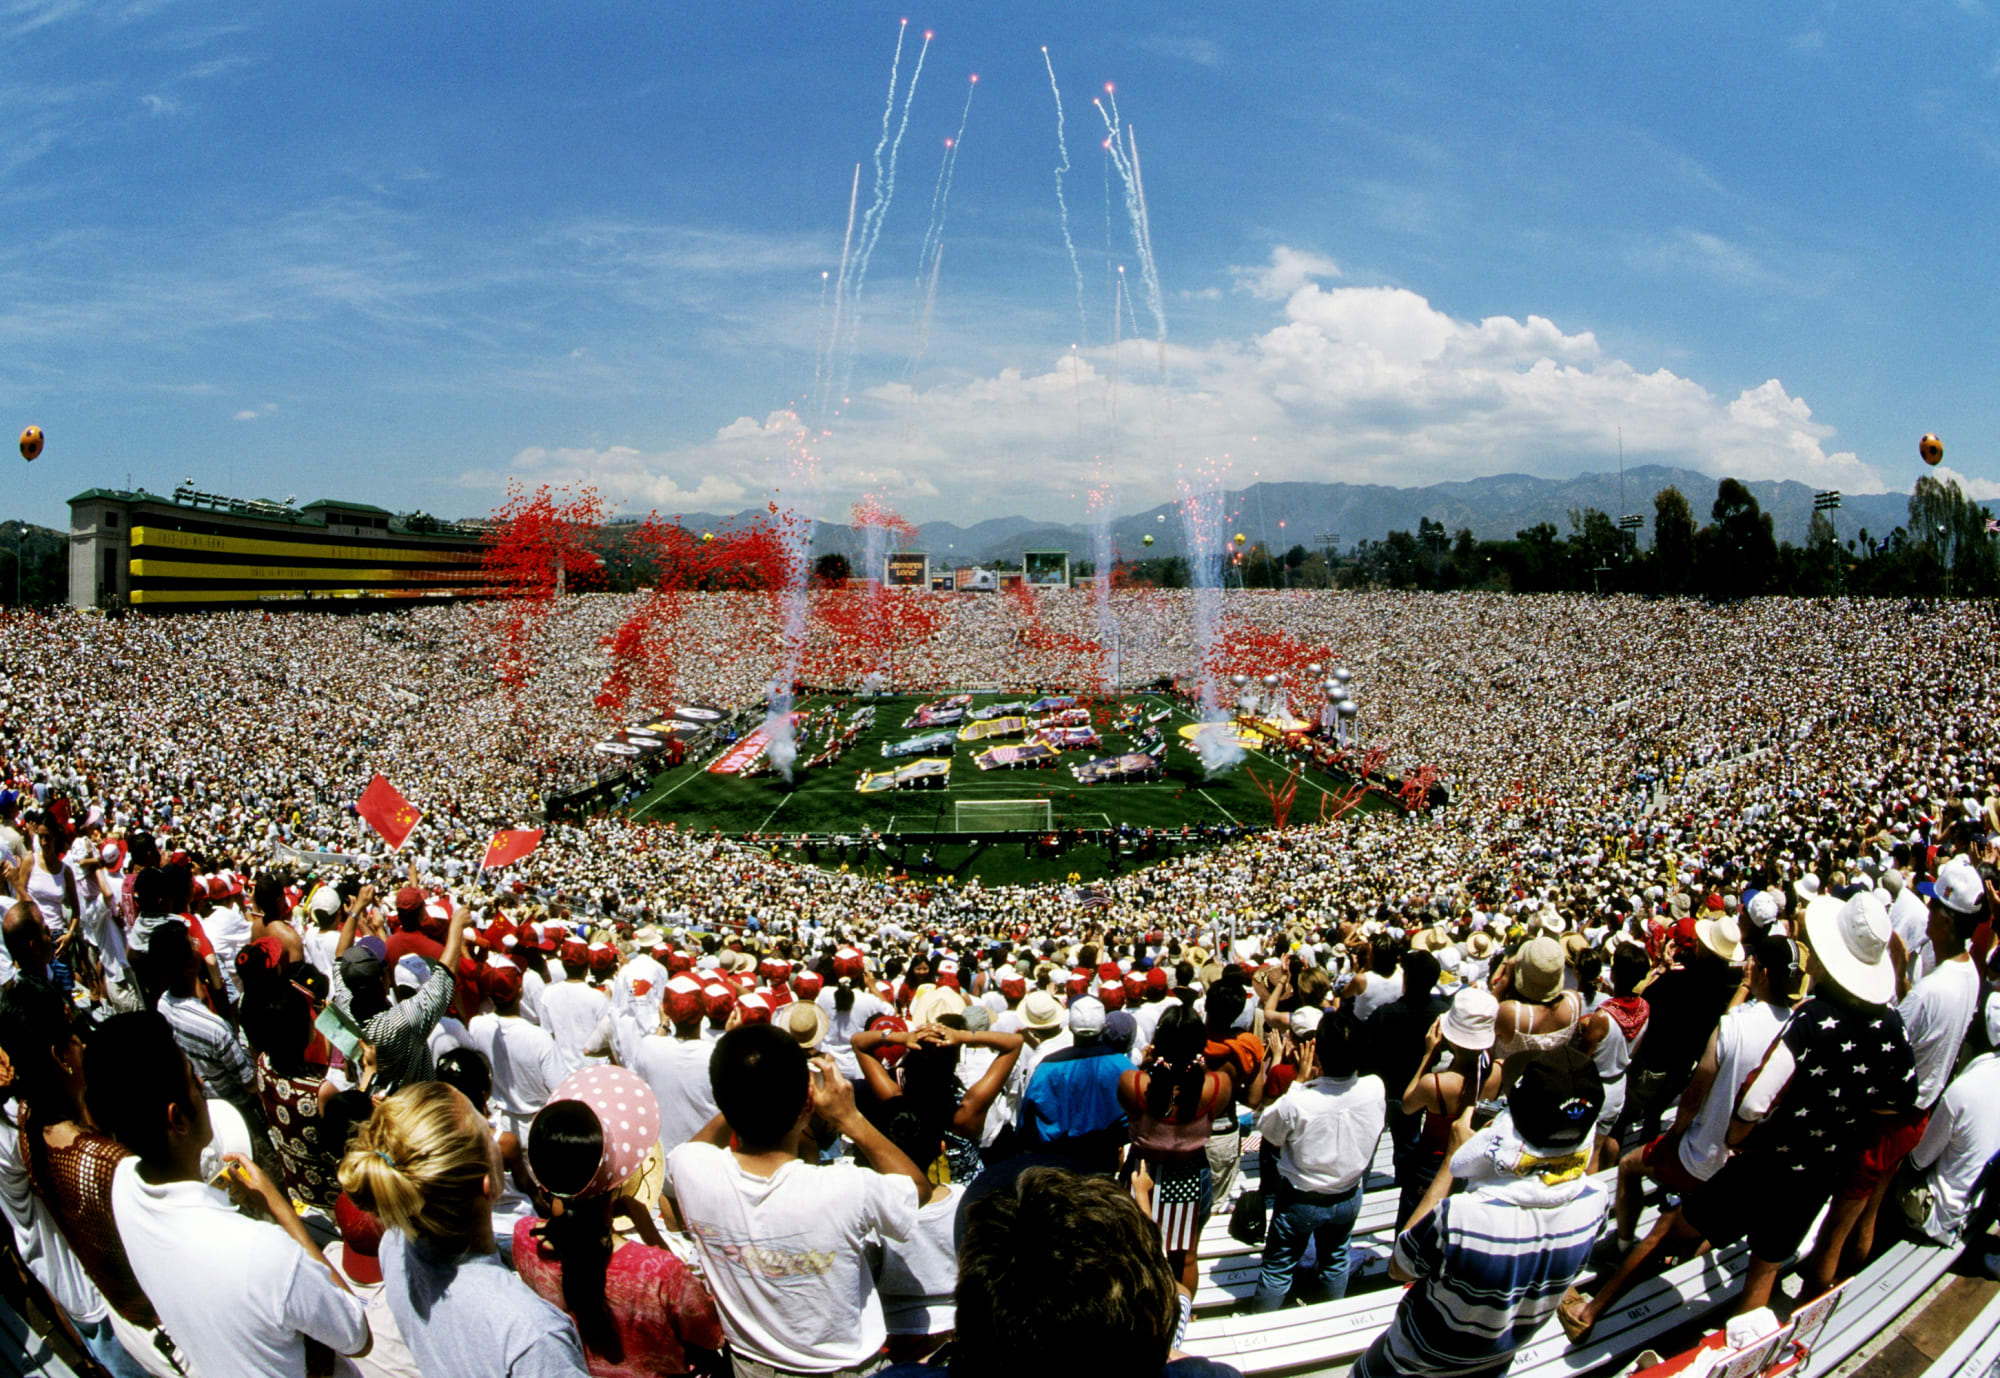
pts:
[1490, 1265]
[784, 1243]
[1324, 1129]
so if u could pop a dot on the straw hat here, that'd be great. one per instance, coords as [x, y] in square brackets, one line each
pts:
[1538, 969]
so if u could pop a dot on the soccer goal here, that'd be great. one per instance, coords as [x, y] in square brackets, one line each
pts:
[1001, 816]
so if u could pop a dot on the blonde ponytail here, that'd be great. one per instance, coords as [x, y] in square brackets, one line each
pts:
[421, 1163]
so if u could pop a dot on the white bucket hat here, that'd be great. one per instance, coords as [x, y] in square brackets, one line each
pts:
[1851, 941]
[1468, 1024]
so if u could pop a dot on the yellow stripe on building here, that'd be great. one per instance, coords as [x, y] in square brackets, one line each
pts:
[328, 595]
[162, 539]
[176, 569]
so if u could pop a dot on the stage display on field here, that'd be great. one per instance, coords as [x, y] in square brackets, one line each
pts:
[940, 713]
[1012, 708]
[1107, 770]
[931, 773]
[993, 727]
[930, 744]
[1026, 754]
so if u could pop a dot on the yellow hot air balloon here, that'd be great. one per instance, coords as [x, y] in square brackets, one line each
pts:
[31, 442]
[1241, 538]
[1930, 447]
[1149, 538]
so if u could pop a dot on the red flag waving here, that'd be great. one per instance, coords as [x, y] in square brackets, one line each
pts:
[387, 812]
[507, 848]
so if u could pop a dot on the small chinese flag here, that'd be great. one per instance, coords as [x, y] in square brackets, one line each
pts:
[507, 848]
[387, 812]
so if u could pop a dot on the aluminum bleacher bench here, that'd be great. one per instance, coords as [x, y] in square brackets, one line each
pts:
[23, 1353]
[1325, 1337]
[1976, 1351]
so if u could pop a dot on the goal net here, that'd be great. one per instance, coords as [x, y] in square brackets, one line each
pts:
[1001, 816]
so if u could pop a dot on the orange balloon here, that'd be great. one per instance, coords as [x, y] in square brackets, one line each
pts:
[1932, 450]
[31, 442]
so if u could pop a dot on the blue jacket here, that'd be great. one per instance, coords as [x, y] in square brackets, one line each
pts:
[1071, 1104]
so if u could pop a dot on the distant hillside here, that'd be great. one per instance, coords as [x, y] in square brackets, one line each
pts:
[1494, 508]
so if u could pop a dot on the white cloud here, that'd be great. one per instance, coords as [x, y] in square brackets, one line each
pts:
[157, 105]
[1288, 270]
[1978, 489]
[1357, 384]
[632, 480]
[253, 413]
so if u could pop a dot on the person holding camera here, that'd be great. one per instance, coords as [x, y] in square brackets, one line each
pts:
[784, 1242]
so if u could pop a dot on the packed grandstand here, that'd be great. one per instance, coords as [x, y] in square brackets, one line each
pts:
[1677, 835]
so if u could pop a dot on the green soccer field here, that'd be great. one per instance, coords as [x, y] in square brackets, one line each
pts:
[824, 800]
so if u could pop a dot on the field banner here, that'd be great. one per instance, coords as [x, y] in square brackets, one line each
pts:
[1027, 754]
[738, 758]
[746, 752]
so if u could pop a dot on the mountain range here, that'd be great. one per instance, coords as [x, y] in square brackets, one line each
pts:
[1318, 515]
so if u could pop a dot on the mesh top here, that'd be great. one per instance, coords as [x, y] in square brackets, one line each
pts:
[75, 1183]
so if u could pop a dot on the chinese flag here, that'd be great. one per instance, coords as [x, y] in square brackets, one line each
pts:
[387, 812]
[507, 848]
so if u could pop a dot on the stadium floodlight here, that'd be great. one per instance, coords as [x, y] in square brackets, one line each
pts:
[1631, 521]
[1826, 500]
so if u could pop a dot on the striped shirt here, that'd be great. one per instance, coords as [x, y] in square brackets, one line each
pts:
[211, 1046]
[1490, 1267]
[401, 1033]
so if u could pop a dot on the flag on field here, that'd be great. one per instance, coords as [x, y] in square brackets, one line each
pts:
[507, 848]
[387, 812]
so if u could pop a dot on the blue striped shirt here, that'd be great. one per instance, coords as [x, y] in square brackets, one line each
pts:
[1490, 1265]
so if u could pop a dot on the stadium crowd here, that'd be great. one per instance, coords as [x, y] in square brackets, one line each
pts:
[650, 1101]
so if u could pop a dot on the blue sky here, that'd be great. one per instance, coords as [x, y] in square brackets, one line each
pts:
[402, 257]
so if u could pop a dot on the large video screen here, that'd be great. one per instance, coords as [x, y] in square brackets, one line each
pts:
[907, 570]
[1049, 567]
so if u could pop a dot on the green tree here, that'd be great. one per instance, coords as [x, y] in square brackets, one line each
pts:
[1673, 541]
[1739, 554]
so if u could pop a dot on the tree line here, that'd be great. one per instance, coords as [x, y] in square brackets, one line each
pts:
[1943, 549]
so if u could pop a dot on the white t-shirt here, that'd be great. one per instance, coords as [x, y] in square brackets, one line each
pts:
[920, 1275]
[785, 1255]
[1936, 1013]
[1325, 1131]
[677, 1070]
[571, 1012]
[238, 1295]
[1962, 1137]
[526, 1067]
[1742, 1038]
[843, 1025]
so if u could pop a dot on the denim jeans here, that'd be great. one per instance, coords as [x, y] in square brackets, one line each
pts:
[1295, 1221]
[104, 1347]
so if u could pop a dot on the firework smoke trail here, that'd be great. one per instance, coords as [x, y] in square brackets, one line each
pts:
[934, 236]
[821, 401]
[819, 341]
[1201, 536]
[1100, 553]
[1062, 205]
[1135, 211]
[878, 210]
[1147, 265]
[795, 531]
